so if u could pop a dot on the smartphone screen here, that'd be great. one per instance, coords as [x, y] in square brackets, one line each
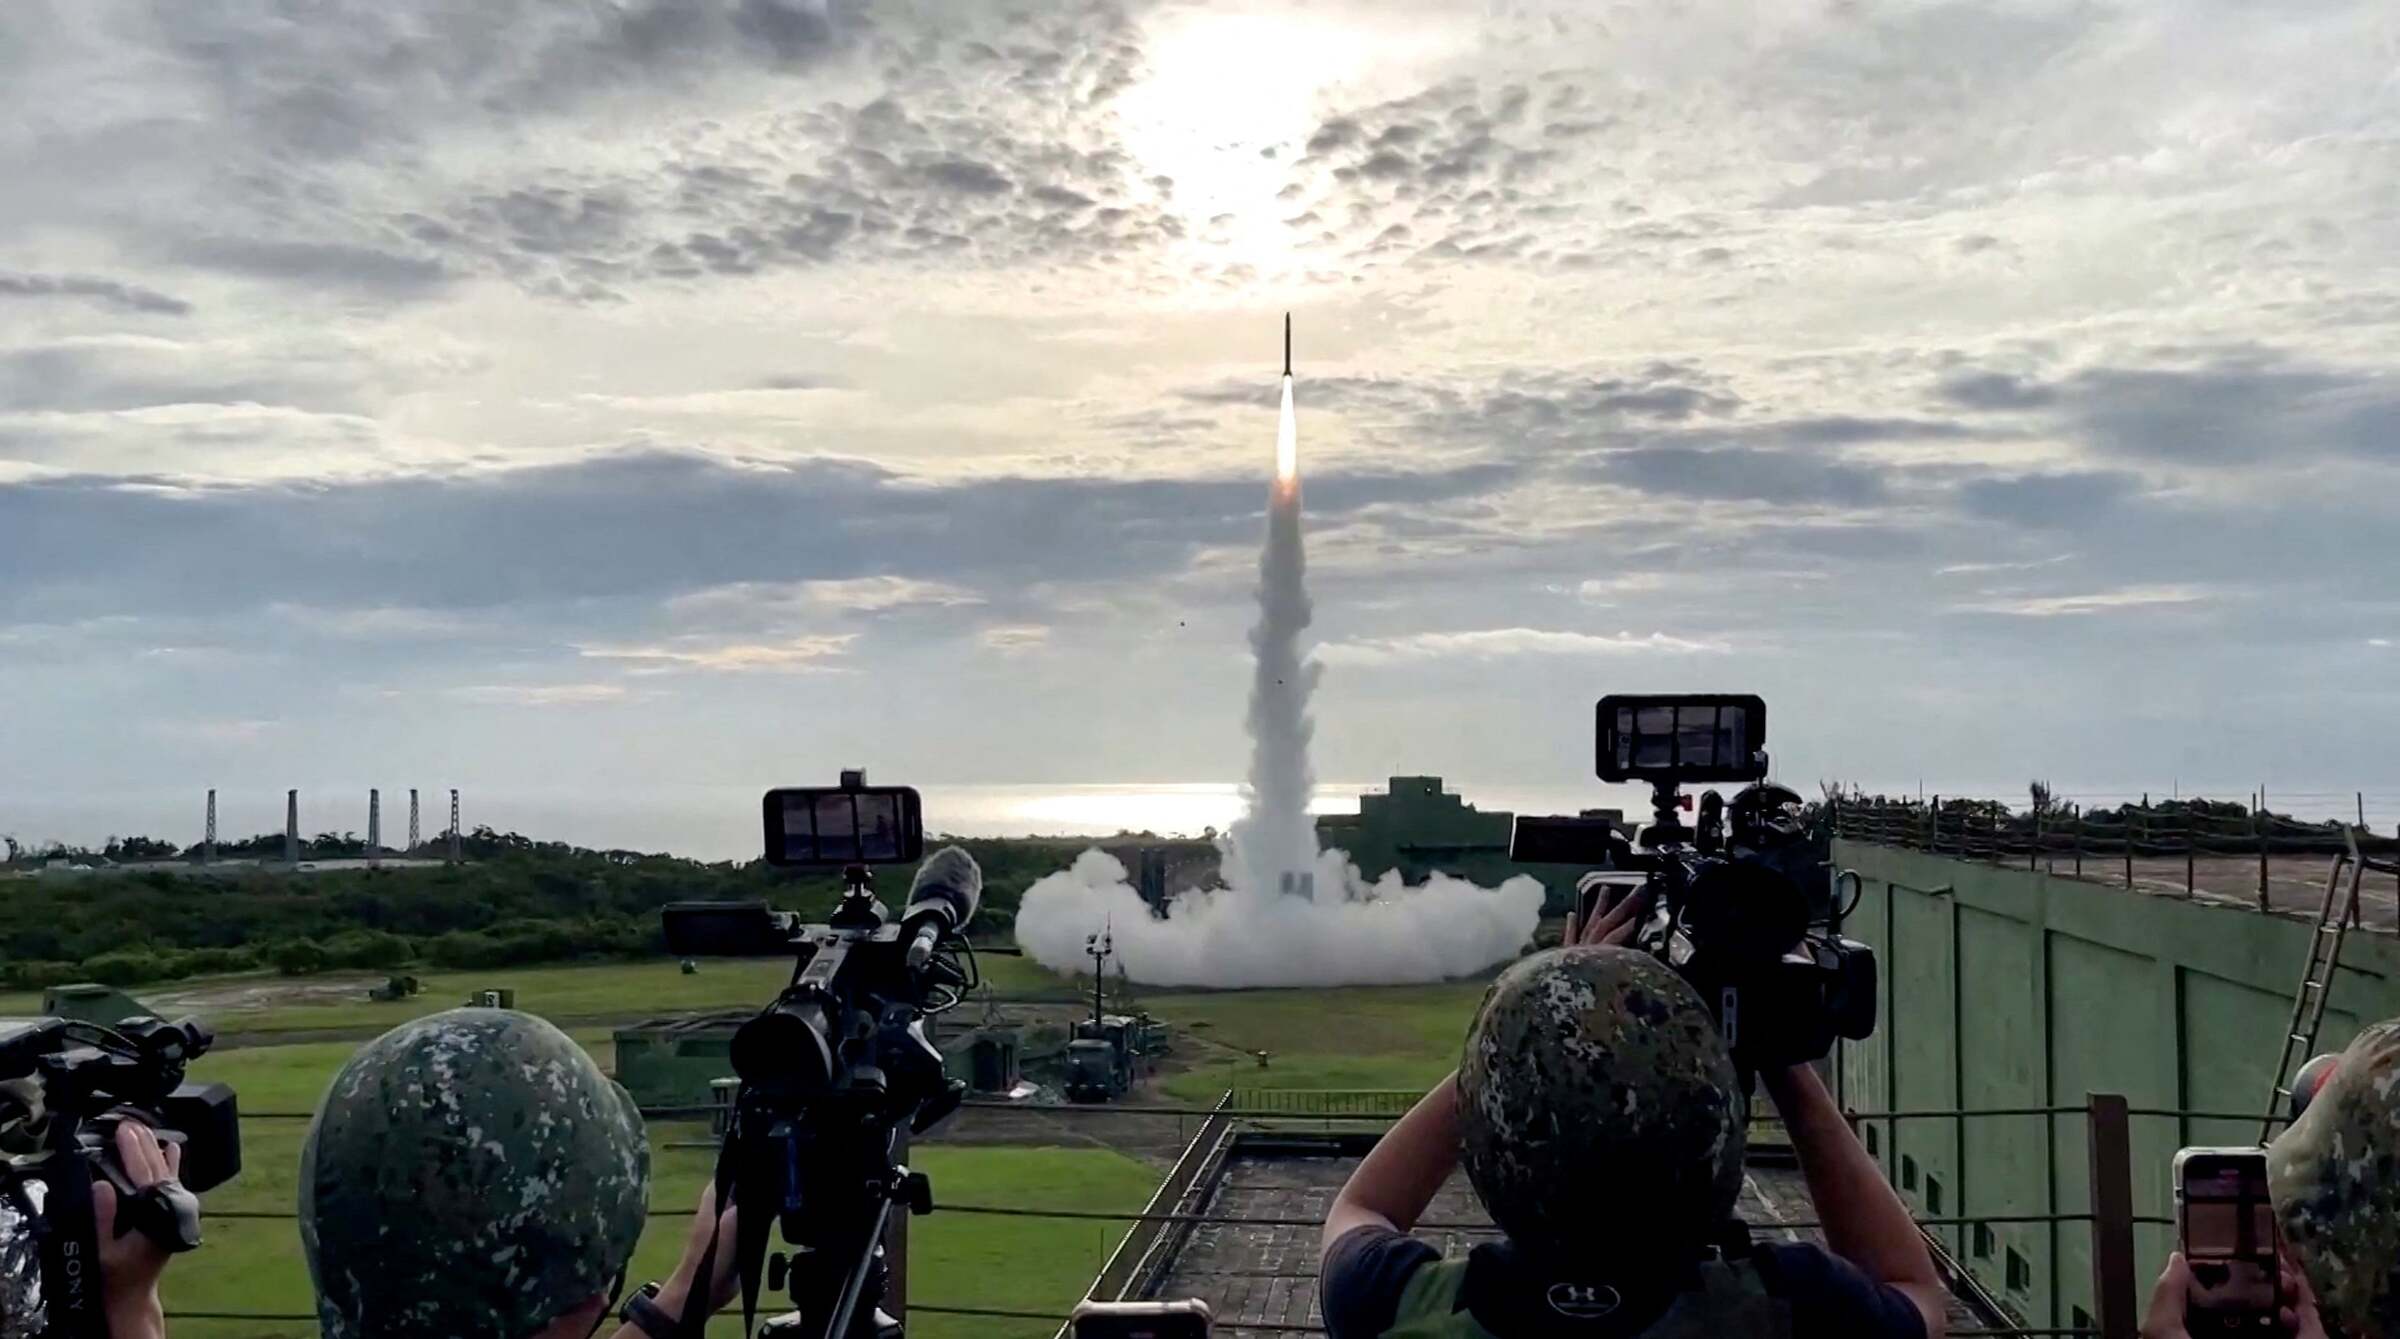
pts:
[2229, 1241]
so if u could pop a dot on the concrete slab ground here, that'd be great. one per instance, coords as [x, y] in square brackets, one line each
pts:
[1261, 1276]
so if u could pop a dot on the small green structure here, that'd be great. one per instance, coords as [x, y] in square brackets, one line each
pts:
[90, 1002]
[1420, 829]
[688, 1062]
[986, 1058]
[393, 988]
[674, 1062]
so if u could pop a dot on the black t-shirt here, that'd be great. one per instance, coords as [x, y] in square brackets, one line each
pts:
[1829, 1298]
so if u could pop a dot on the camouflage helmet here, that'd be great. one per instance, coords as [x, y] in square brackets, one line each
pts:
[470, 1173]
[1593, 1078]
[2332, 1176]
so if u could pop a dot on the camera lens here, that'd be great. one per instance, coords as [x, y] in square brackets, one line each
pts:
[784, 1052]
[1745, 912]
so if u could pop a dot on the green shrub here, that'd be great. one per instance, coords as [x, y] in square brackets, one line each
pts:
[36, 974]
[217, 961]
[297, 957]
[379, 949]
[125, 967]
[464, 948]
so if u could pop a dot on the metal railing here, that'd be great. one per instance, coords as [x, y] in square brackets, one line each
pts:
[1177, 1206]
[2068, 839]
[1370, 1103]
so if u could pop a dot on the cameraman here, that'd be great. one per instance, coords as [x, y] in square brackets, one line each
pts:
[1601, 1127]
[474, 1173]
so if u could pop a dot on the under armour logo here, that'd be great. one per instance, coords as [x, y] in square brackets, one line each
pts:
[1583, 1301]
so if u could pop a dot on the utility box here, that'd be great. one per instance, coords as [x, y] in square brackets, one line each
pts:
[721, 1095]
[992, 1061]
[500, 997]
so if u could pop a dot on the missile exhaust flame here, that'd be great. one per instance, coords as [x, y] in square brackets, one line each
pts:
[1287, 445]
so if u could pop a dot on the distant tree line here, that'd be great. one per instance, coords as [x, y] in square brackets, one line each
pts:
[515, 901]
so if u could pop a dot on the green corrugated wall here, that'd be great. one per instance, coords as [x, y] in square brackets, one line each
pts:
[2006, 987]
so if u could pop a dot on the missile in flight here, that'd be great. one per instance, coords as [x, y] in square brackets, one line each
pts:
[1287, 344]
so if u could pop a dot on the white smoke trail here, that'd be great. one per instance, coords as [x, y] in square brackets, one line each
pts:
[1277, 836]
[1248, 933]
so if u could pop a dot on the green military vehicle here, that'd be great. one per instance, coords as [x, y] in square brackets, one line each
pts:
[1102, 1058]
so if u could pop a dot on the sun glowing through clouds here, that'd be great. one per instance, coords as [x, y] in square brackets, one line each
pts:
[1228, 97]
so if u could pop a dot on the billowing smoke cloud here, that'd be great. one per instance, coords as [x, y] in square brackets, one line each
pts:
[1289, 914]
[1352, 933]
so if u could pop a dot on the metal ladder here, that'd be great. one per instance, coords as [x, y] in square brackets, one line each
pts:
[2316, 978]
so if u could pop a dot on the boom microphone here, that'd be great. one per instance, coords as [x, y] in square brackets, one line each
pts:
[941, 901]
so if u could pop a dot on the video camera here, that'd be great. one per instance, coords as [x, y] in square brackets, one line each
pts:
[832, 1070]
[65, 1087]
[1740, 901]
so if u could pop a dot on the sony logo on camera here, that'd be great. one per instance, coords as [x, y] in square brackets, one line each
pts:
[76, 1294]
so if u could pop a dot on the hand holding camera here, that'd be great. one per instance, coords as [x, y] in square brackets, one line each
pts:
[103, 1150]
[132, 1258]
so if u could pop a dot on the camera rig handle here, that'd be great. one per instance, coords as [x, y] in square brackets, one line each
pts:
[165, 1211]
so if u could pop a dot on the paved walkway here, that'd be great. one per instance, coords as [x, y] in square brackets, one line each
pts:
[1268, 1275]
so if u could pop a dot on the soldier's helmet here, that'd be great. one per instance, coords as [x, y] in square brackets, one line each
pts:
[2335, 1178]
[1598, 1106]
[470, 1173]
[2309, 1079]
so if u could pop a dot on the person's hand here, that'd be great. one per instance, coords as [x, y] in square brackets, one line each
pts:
[675, 1293]
[2165, 1317]
[1613, 926]
[2300, 1319]
[131, 1263]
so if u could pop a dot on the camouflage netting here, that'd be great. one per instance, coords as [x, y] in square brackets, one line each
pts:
[471, 1173]
[2335, 1177]
[1598, 1106]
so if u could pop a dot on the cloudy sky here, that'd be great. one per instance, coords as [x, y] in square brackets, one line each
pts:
[623, 400]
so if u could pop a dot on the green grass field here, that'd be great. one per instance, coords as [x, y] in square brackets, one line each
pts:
[617, 990]
[1403, 1037]
[253, 1265]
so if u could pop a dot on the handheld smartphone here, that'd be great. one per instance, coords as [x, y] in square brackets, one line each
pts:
[1187, 1319]
[2227, 1225]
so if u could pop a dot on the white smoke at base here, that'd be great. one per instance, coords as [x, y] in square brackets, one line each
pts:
[1344, 930]
[1352, 933]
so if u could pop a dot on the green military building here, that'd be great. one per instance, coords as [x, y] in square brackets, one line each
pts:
[673, 1062]
[670, 1062]
[88, 1002]
[1419, 829]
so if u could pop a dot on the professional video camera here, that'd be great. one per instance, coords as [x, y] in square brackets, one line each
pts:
[1739, 902]
[65, 1087]
[838, 1064]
